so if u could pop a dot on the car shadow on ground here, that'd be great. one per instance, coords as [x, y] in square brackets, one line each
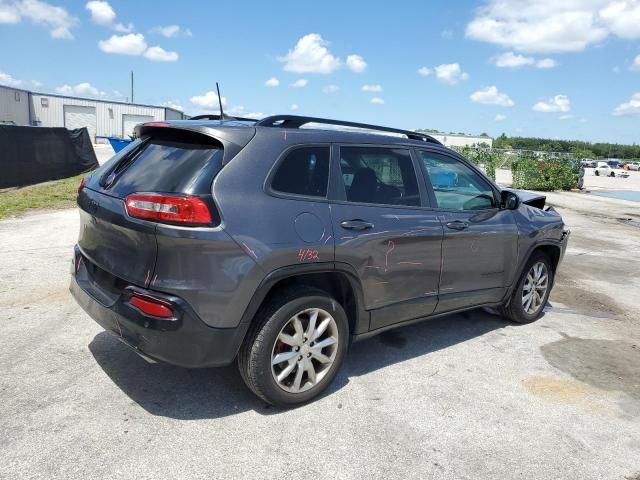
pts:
[190, 394]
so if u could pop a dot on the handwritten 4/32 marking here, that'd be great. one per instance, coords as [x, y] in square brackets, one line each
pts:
[308, 255]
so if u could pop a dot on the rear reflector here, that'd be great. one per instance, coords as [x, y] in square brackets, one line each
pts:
[168, 208]
[151, 306]
[83, 183]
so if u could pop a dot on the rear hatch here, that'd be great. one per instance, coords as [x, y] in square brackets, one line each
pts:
[118, 235]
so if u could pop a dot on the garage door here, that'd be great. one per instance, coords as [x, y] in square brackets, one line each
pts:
[129, 122]
[76, 116]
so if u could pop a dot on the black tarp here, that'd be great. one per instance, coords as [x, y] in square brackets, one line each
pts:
[31, 155]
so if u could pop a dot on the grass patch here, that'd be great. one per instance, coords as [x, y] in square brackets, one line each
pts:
[49, 195]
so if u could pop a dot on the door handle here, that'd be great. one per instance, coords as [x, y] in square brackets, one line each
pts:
[457, 225]
[356, 225]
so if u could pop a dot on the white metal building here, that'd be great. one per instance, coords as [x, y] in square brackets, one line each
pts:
[101, 117]
[460, 140]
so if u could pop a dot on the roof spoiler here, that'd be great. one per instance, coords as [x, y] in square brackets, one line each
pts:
[296, 121]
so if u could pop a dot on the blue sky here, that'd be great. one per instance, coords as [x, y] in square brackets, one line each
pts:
[553, 68]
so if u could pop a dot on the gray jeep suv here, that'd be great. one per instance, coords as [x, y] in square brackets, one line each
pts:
[214, 240]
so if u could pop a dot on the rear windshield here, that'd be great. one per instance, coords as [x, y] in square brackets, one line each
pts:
[165, 165]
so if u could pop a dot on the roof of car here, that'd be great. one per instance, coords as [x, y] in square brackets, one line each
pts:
[313, 129]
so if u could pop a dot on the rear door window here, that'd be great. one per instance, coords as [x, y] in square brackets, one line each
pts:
[379, 175]
[303, 171]
[166, 165]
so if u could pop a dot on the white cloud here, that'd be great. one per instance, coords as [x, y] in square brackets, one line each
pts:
[6, 79]
[272, 82]
[636, 63]
[552, 25]
[310, 55]
[294, 107]
[356, 63]
[330, 89]
[170, 31]
[491, 96]
[130, 44]
[36, 84]
[632, 107]
[568, 116]
[55, 19]
[134, 44]
[424, 71]
[512, 60]
[9, 14]
[159, 54]
[173, 104]
[546, 63]
[84, 89]
[240, 111]
[102, 13]
[301, 82]
[210, 100]
[372, 88]
[558, 103]
[515, 60]
[450, 73]
[500, 117]
[377, 101]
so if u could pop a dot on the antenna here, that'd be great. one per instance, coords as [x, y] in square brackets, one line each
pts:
[222, 115]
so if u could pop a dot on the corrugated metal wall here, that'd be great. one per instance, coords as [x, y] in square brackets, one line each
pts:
[14, 106]
[48, 111]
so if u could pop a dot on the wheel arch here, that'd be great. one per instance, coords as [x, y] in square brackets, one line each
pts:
[337, 279]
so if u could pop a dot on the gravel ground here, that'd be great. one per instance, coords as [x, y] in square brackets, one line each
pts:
[466, 396]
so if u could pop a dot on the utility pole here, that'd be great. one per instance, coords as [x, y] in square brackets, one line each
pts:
[131, 86]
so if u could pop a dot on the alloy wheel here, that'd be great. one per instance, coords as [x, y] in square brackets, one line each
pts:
[304, 350]
[535, 288]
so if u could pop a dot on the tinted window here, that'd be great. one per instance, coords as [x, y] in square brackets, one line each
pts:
[165, 166]
[304, 171]
[456, 186]
[379, 175]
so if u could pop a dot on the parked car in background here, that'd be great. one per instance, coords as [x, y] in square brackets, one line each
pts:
[208, 242]
[610, 169]
[635, 166]
[614, 164]
[603, 169]
[588, 163]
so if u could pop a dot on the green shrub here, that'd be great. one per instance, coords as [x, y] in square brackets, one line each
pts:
[532, 173]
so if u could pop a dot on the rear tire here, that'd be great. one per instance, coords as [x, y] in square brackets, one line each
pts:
[597, 173]
[288, 358]
[530, 295]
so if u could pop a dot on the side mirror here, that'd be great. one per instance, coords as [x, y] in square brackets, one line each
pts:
[510, 200]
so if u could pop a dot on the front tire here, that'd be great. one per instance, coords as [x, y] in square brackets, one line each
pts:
[597, 173]
[295, 347]
[530, 296]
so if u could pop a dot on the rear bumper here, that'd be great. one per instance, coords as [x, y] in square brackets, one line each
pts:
[185, 341]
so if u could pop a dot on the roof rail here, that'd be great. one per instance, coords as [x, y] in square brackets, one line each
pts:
[296, 121]
[208, 116]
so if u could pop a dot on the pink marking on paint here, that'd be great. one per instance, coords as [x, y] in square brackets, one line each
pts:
[373, 233]
[308, 254]
[390, 247]
[328, 238]
[251, 252]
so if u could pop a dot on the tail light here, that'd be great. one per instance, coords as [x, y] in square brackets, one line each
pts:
[180, 209]
[83, 183]
[152, 306]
